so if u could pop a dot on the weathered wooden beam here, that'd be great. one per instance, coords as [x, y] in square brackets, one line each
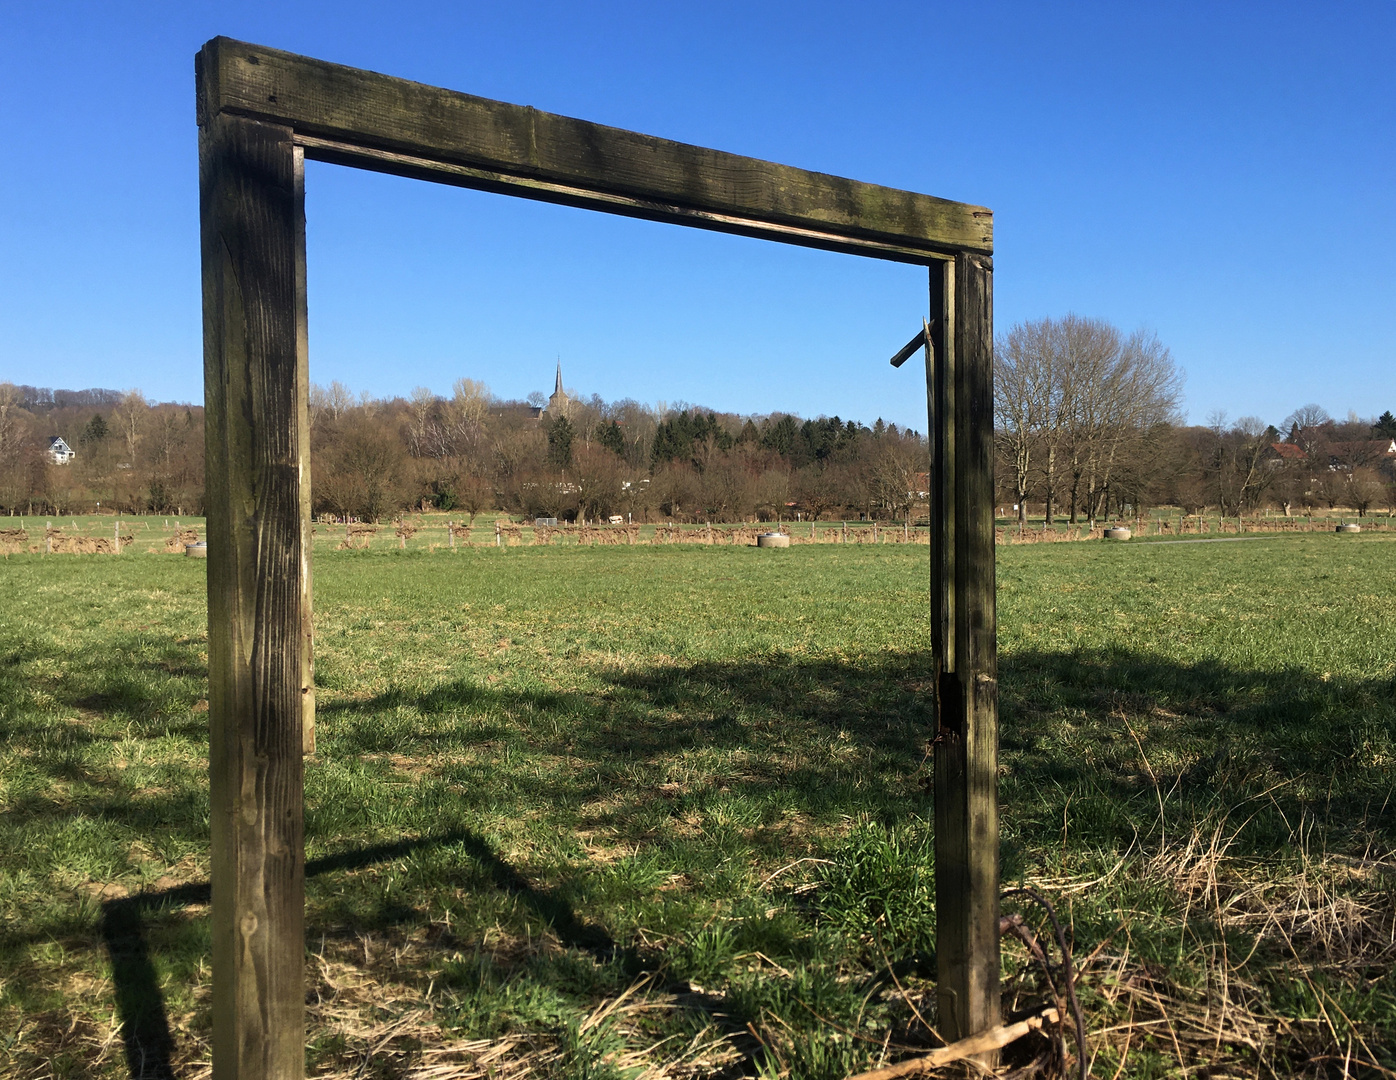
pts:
[960, 405]
[921, 341]
[255, 393]
[374, 121]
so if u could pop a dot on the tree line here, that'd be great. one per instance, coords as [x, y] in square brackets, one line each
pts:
[1088, 427]
[1087, 424]
[131, 454]
[374, 458]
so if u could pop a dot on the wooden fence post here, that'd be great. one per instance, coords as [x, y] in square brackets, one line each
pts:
[251, 183]
[960, 407]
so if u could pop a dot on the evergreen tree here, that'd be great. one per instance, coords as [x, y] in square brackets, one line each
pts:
[609, 435]
[560, 436]
[95, 431]
[675, 437]
[1385, 425]
[780, 435]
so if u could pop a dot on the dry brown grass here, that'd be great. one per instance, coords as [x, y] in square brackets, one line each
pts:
[357, 536]
[174, 544]
[1329, 921]
[13, 541]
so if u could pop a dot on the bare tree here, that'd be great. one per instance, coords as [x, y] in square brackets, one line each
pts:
[1236, 461]
[130, 416]
[814, 491]
[11, 427]
[422, 432]
[1121, 390]
[465, 415]
[894, 475]
[770, 492]
[1023, 384]
[472, 496]
[677, 489]
[1309, 416]
[1075, 394]
[597, 476]
[1364, 489]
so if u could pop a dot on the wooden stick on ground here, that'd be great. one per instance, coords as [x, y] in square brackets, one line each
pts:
[993, 1039]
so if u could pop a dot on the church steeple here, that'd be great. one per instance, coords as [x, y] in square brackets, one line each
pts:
[557, 404]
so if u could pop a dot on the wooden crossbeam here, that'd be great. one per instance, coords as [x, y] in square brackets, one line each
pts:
[361, 118]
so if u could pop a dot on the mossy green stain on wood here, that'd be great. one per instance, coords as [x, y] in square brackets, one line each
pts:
[361, 108]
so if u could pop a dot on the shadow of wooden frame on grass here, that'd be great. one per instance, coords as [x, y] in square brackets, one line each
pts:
[144, 1023]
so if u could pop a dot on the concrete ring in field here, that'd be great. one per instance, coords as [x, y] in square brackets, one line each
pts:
[1118, 533]
[1345, 528]
[196, 551]
[773, 540]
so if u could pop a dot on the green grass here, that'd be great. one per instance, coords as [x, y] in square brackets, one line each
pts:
[547, 777]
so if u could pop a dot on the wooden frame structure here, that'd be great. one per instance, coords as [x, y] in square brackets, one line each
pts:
[261, 113]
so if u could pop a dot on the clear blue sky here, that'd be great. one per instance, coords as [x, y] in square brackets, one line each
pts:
[1221, 173]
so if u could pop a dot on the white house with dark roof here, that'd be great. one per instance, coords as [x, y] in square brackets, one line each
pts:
[59, 451]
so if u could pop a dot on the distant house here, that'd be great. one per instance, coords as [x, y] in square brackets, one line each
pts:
[1276, 454]
[1372, 453]
[59, 451]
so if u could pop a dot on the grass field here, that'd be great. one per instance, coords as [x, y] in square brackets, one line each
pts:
[604, 812]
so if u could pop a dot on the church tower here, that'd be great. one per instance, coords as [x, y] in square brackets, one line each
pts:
[557, 404]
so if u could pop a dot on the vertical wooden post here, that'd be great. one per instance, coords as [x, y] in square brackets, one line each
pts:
[302, 407]
[255, 392]
[959, 385]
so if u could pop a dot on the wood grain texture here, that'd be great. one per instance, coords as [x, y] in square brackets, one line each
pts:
[376, 121]
[302, 407]
[960, 391]
[251, 213]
